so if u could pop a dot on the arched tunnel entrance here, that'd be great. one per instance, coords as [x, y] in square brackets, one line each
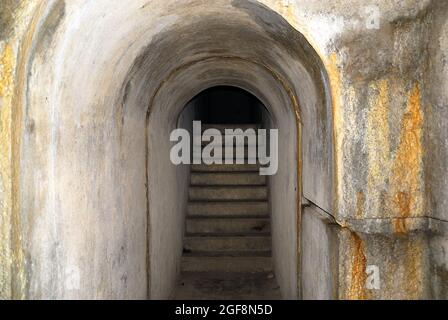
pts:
[111, 223]
[227, 239]
[282, 200]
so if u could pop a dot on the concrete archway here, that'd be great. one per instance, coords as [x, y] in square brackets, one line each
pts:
[98, 230]
[209, 73]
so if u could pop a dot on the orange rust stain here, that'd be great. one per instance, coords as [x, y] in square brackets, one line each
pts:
[399, 226]
[7, 61]
[358, 264]
[406, 181]
[360, 201]
[402, 200]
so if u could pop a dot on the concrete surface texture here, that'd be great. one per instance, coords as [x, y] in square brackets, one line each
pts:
[90, 206]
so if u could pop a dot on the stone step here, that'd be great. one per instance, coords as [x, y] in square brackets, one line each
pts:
[227, 178]
[223, 193]
[228, 254]
[225, 168]
[226, 264]
[228, 225]
[207, 141]
[228, 209]
[234, 153]
[232, 160]
[227, 243]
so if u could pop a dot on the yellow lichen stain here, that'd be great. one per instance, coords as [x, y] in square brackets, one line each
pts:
[360, 202]
[11, 93]
[406, 180]
[413, 263]
[378, 143]
[31, 15]
[6, 70]
[6, 92]
[334, 77]
[358, 264]
[287, 11]
[335, 82]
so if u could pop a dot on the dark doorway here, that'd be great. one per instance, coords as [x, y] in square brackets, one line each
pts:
[230, 105]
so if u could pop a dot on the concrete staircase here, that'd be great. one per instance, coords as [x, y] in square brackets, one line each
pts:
[228, 222]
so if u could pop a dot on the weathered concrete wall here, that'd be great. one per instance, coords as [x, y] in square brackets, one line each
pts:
[319, 255]
[402, 262]
[73, 203]
[168, 195]
[6, 79]
[283, 202]
[436, 144]
[379, 141]
[15, 18]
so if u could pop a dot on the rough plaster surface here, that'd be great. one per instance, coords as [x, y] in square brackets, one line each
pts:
[74, 207]
[283, 203]
[318, 261]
